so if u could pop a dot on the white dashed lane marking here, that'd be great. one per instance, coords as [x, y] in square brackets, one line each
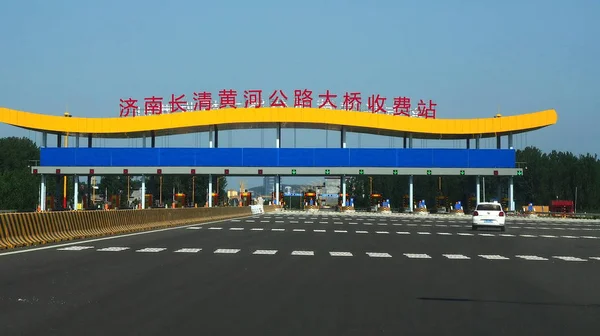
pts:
[299, 230]
[382, 232]
[417, 256]
[278, 230]
[227, 251]
[151, 250]
[340, 254]
[256, 229]
[340, 231]
[195, 228]
[567, 258]
[379, 255]
[493, 257]
[236, 229]
[113, 249]
[188, 250]
[266, 252]
[303, 253]
[75, 248]
[531, 257]
[319, 230]
[456, 256]
[215, 228]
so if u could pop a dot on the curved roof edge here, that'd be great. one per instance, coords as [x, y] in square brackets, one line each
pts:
[364, 122]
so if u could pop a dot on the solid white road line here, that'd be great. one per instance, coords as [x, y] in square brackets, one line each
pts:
[107, 238]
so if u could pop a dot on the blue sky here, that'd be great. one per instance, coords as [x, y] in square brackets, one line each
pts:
[471, 57]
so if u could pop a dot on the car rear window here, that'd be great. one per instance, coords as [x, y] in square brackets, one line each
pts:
[489, 207]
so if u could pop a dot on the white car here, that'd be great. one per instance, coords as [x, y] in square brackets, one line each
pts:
[489, 214]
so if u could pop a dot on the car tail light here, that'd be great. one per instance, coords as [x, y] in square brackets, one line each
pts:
[475, 213]
[501, 214]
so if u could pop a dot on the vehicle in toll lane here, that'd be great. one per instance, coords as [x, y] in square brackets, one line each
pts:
[489, 214]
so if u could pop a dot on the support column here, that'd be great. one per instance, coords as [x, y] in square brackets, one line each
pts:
[143, 192]
[410, 141]
[510, 141]
[468, 143]
[75, 190]
[478, 190]
[77, 140]
[278, 134]
[210, 190]
[216, 138]
[477, 142]
[44, 140]
[343, 190]
[511, 194]
[410, 193]
[498, 142]
[343, 139]
[43, 193]
[211, 136]
[58, 188]
[404, 141]
[152, 139]
[277, 186]
[144, 141]
[89, 178]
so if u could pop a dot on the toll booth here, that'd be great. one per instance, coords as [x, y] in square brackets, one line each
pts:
[246, 198]
[180, 200]
[471, 203]
[504, 203]
[114, 201]
[149, 200]
[562, 206]
[375, 201]
[310, 199]
[405, 205]
[341, 200]
[215, 199]
[442, 203]
[280, 201]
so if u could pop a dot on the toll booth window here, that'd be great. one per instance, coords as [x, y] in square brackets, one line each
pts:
[489, 207]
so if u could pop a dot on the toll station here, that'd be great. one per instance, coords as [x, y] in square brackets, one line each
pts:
[82, 160]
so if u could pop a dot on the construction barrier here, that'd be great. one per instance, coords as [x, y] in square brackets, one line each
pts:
[25, 229]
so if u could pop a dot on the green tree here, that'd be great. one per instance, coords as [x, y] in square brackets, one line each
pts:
[19, 190]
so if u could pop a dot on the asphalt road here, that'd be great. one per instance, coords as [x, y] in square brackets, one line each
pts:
[305, 274]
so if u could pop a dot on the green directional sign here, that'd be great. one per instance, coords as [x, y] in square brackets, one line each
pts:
[519, 172]
[462, 172]
[395, 171]
[361, 171]
[428, 172]
[327, 171]
[293, 171]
